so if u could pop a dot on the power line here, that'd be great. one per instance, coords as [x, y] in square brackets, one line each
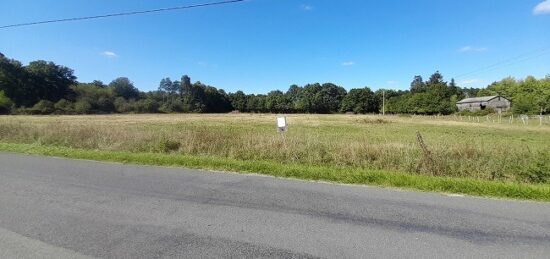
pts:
[507, 62]
[122, 14]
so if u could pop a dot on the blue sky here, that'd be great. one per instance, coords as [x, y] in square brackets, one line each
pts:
[261, 45]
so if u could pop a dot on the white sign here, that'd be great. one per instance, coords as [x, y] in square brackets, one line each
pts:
[281, 124]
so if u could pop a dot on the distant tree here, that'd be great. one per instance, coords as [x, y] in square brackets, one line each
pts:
[51, 81]
[276, 102]
[122, 87]
[215, 100]
[238, 101]
[64, 106]
[43, 107]
[316, 98]
[176, 87]
[436, 78]
[100, 98]
[5, 103]
[360, 100]
[40, 80]
[98, 83]
[293, 95]
[256, 103]
[192, 95]
[82, 107]
[331, 96]
[185, 86]
[417, 85]
[147, 105]
[165, 85]
[12, 82]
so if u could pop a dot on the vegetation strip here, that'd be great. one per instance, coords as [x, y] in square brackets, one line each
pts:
[332, 174]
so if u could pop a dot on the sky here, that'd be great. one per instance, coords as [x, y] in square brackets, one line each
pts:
[262, 45]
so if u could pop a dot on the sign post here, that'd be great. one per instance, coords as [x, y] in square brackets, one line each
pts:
[282, 127]
[281, 124]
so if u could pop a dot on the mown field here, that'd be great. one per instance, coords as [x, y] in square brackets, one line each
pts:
[510, 154]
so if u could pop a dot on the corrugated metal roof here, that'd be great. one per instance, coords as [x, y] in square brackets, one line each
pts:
[477, 99]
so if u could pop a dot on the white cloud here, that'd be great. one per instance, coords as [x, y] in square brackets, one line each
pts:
[348, 63]
[542, 8]
[109, 54]
[469, 81]
[472, 49]
[391, 82]
[306, 7]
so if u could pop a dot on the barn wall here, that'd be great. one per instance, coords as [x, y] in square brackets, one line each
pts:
[469, 106]
[499, 103]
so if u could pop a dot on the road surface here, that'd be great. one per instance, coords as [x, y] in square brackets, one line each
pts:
[59, 208]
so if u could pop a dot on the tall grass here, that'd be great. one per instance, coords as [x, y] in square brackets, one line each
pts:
[487, 151]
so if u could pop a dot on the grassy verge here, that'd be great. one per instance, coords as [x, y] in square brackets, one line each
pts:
[323, 173]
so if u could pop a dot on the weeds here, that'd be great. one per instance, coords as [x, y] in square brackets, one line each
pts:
[447, 148]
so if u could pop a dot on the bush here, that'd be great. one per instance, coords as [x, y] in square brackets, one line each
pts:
[82, 107]
[64, 106]
[167, 146]
[5, 103]
[105, 105]
[147, 106]
[539, 170]
[43, 107]
[478, 112]
[172, 106]
[123, 106]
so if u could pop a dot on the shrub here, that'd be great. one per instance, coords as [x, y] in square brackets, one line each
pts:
[147, 106]
[43, 107]
[5, 103]
[123, 106]
[167, 146]
[64, 106]
[105, 105]
[171, 106]
[82, 107]
[539, 170]
[478, 112]
[374, 121]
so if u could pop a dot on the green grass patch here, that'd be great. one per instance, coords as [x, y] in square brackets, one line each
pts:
[337, 174]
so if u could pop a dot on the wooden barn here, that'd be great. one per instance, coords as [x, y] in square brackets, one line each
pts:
[498, 103]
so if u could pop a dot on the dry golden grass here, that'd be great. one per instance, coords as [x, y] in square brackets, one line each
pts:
[485, 150]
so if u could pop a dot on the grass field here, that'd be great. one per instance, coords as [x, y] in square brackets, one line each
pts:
[489, 156]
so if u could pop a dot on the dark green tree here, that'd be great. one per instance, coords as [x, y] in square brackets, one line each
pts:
[50, 81]
[418, 85]
[5, 103]
[360, 100]
[238, 101]
[276, 102]
[122, 87]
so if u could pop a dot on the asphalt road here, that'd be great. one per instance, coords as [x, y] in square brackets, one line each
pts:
[58, 208]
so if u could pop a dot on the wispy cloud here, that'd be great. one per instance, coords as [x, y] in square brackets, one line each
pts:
[472, 49]
[542, 8]
[469, 82]
[109, 54]
[348, 63]
[391, 82]
[306, 7]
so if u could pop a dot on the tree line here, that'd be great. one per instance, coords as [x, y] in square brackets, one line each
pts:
[47, 88]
